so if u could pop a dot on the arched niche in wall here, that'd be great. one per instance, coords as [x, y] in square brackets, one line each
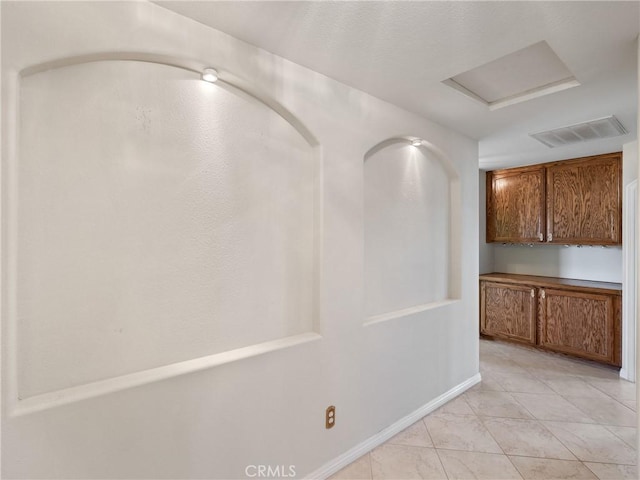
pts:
[159, 224]
[411, 229]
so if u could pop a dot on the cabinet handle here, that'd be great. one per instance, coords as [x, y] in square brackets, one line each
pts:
[549, 237]
[533, 293]
[613, 233]
[542, 294]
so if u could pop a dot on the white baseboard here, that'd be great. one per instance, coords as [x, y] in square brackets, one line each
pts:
[379, 438]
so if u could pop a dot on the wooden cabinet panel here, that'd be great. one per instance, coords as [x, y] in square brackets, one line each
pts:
[508, 311]
[516, 205]
[576, 317]
[578, 323]
[584, 201]
[569, 202]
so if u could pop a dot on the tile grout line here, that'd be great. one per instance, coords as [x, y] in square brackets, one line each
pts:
[578, 461]
[566, 446]
[552, 420]
[610, 396]
[592, 422]
[561, 442]
[427, 428]
[612, 463]
[491, 435]
[441, 463]
[500, 446]
[614, 433]
[482, 420]
[431, 437]
[597, 423]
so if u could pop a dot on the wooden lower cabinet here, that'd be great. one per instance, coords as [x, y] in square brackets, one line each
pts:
[508, 311]
[579, 323]
[574, 317]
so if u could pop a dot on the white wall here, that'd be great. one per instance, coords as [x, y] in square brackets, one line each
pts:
[486, 249]
[139, 413]
[630, 259]
[586, 263]
[629, 163]
[132, 233]
[406, 229]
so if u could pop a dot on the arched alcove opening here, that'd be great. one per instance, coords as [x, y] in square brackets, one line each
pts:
[157, 219]
[412, 225]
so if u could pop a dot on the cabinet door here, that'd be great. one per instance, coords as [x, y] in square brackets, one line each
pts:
[584, 201]
[508, 311]
[578, 323]
[516, 205]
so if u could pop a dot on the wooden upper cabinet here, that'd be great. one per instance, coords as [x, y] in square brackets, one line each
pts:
[516, 205]
[569, 202]
[584, 201]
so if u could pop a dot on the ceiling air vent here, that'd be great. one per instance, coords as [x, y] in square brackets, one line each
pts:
[581, 132]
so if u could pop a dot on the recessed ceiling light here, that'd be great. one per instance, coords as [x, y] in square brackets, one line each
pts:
[209, 75]
[416, 142]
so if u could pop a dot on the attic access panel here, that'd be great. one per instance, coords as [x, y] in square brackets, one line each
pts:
[528, 73]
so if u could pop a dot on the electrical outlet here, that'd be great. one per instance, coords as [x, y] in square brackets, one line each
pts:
[330, 417]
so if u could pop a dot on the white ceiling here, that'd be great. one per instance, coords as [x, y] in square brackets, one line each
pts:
[401, 52]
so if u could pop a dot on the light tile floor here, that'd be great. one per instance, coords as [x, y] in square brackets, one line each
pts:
[535, 415]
